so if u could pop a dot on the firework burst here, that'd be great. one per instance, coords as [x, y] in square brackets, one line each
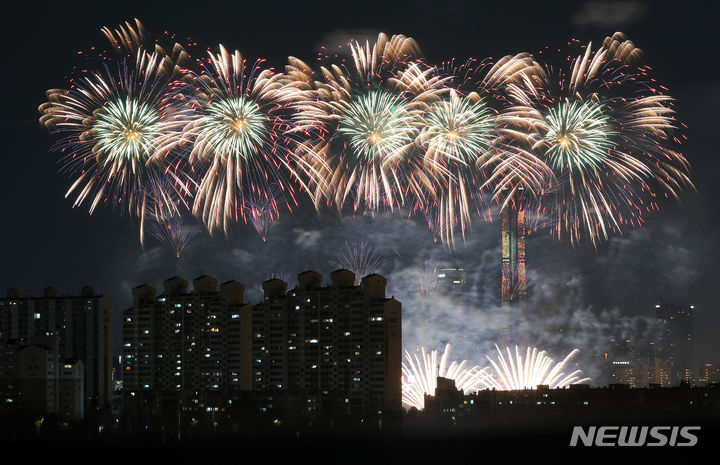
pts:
[421, 370]
[359, 124]
[608, 136]
[233, 127]
[465, 132]
[456, 133]
[114, 123]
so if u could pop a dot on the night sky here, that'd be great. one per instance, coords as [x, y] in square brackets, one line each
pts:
[580, 296]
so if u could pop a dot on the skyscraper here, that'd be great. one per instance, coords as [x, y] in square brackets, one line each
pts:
[83, 325]
[674, 342]
[514, 280]
[337, 346]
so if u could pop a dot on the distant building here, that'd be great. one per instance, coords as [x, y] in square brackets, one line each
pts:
[675, 339]
[627, 365]
[707, 373]
[83, 326]
[624, 364]
[35, 380]
[560, 407]
[336, 347]
[453, 282]
[445, 401]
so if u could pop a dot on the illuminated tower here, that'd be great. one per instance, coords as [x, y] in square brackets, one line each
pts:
[514, 281]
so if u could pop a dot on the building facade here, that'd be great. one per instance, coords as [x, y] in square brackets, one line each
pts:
[181, 341]
[336, 347]
[83, 326]
[562, 408]
[34, 379]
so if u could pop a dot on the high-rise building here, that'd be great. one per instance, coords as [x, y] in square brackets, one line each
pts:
[83, 326]
[34, 379]
[674, 341]
[338, 347]
[514, 280]
[181, 341]
[706, 373]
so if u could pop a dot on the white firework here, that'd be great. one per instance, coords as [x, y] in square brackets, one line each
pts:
[359, 257]
[420, 375]
[428, 278]
[529, 372]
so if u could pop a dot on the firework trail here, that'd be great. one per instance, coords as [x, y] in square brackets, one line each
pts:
[429, 278]
[357, 123]
[420, 373]
[538, 215]
[529, 372]
[437, 226]
[171, 231]
[126, 39]
[261, 213]
[164, 207]
[359, 257]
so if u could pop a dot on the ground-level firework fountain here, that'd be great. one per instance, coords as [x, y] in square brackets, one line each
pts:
[420, 373]
[537, 368]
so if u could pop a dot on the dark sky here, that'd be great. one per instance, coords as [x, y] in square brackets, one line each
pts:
[602, 293]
